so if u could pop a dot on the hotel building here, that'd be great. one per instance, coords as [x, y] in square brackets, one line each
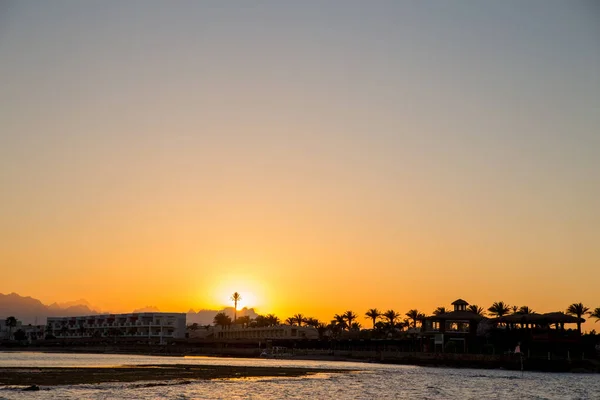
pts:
[155, 326]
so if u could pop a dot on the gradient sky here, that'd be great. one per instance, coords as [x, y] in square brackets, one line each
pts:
[314, 156]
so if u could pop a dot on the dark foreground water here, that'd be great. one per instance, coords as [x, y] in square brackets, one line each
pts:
[368, 381]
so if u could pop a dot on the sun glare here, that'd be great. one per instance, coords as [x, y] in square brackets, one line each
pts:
[251, 291]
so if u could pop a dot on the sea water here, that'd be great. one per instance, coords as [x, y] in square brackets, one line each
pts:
[362, 381]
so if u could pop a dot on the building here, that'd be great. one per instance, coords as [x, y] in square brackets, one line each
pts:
[233, 332]
[457, 327]
[152, 326]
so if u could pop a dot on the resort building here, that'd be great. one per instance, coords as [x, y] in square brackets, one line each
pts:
[456, 327]
[152, 326]
[264, 333]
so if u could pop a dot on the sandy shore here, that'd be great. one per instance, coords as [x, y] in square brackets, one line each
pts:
[52, 376]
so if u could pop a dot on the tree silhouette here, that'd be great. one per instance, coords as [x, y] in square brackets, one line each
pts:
[391, 316]
[350, 316]
[579, 310]
[299, 318]
[235, 297]
[499, 309]
[415, 316]
[515, 309]
[222, 320]
[440, 310]
[243, 321]
[373, 313]
[340, 321]
[272, 320]
[596, 314]
[193, 327]
[475, 309]
[290, 321]
[11, 322]
[313, 322]
[525, 310]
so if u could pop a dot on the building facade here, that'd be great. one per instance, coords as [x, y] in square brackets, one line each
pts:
[263, 333]
[152, 326]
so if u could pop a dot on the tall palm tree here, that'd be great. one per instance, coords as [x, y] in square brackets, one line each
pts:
[440, 310]
[499, 309]
[290, 321]
[235, 297]
[414, 315]
[596, 314]
[579, 310]
[11, 322]
[525, 310]
[350, 316]
[373, 313]
[391, 317]
[475, 309]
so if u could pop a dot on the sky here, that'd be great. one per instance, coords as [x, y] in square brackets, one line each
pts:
[314, 156]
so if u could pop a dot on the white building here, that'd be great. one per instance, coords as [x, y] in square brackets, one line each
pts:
[269, 332]
[153, 326]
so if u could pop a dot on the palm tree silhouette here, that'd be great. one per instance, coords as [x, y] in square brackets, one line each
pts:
[272, 320]
[340, 321]
[235, 297]
[373, 313]
[596, 314]
[391, 317]
[515, 309]
[525, 310]
[475, 309]
[290, 321]
[499, 309]
[440, 310]
[299, 318]
[11, 322]
[350, 316]
[579, 310]
[415, 315]
[222, 320]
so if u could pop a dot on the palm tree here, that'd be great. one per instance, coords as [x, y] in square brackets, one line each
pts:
[243, 321]
[222, 320]
[272, 320]
[440, 310]
[11, 322]
[475, 309]
[299, 319]
[596, 314]
[235, 297]
[355, 326]
[525, 310]
[350, 316]
[579, 310]
[313, 322]
[290, 321]
[515, 309]
[415, 316]
[499, 309]
[339, 321]
[373, 313]
[391, 317]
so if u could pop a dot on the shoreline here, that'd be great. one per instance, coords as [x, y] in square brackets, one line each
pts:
[178, 373]
[431, 360]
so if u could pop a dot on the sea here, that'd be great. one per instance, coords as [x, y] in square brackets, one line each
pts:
[362, 381]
